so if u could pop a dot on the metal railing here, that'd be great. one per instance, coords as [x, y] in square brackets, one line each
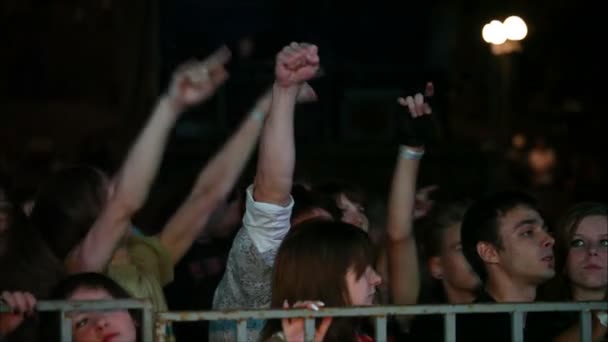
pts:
[380, 314]
[64, 307]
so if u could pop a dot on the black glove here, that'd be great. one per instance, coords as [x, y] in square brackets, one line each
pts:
[416, 126]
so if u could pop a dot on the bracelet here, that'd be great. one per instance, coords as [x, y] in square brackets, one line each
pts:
[406, 152]
[258, 115]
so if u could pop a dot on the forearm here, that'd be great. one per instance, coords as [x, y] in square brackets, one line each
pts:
[97, 248]
[402, 199]
[402, 252]
[141, 165]
[214, 183]
[132, 186]
[220, 174]
[276, 161]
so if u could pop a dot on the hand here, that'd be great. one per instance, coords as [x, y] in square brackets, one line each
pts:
[21, 303]
[293, 328]
[423, 204]
[419, 128]
[194, 82]
[295, 64]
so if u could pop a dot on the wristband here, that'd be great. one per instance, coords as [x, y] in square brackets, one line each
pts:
[409, 153]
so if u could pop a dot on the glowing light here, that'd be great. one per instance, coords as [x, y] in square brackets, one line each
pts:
[494, 32]
[515, 28]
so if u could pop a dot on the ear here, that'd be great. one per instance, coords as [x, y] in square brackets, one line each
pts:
[487, 252]
[435, 267]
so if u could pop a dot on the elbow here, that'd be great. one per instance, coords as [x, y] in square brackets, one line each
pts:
[276, 191]
[126, 203]
[80, 262]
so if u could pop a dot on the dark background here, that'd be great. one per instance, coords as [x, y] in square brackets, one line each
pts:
[78, 79]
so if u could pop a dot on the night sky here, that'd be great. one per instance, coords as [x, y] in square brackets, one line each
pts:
[76, 71]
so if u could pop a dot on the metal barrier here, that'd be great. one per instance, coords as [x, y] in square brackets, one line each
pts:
[380, 313]
[64, 307]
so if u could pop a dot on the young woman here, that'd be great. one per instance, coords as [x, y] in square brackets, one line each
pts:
[581, 266]
[326, 261]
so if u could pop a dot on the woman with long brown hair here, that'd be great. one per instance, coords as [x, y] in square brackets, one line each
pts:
[327, 261]
[581, 265]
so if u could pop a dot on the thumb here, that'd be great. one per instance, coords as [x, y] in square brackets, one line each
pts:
[306, 94]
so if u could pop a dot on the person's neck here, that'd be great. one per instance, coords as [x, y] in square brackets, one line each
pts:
[580, 294]
[505, 289]
[458, 296]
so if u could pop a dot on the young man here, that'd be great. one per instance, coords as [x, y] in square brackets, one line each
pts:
[505, 240]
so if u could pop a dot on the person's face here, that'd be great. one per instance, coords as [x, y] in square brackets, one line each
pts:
[352, 212]
[587, 260]
[362, 289]
[451, 267]
[527, 253]
[102, 326]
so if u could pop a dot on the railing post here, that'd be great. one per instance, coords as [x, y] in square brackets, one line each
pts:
[241, 330]
[585, 326]
[309, 329]
[148, 323]
[449, 323]
[517, 326]
[381, 329]
[66, 327]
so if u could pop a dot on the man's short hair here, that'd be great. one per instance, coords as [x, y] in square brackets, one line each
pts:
[481, 223]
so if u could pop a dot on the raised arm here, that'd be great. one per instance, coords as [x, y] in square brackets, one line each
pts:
[404, 273]
[217, 179]
[295, 64]
[191, 84]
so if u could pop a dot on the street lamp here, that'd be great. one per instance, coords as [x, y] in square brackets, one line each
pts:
[504, 39]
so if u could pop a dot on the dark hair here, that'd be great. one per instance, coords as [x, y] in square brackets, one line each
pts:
[91, 280]
[558, 288]
[312, 263]
[435, 223]
[26, 263]
[67, 205]
[481, 223]
[306, 200]
[335, 188]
